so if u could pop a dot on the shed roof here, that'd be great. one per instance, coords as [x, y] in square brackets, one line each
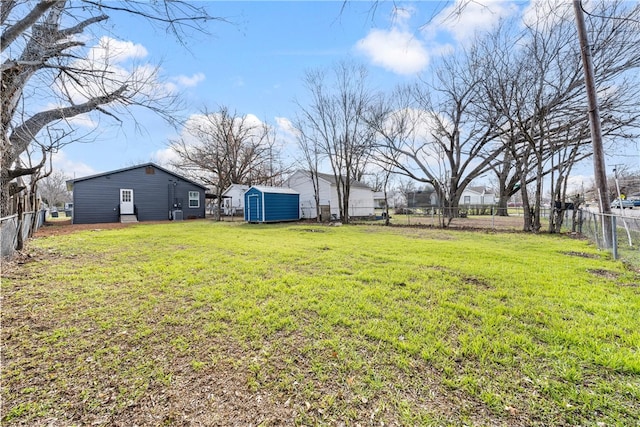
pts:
[277, 190]
[143, 165]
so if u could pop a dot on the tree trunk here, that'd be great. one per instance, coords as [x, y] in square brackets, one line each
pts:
[345, 203]
[5, 198]
[528, 215]
[20, 240]
[503, 204]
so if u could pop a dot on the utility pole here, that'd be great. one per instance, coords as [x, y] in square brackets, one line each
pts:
[599, 168]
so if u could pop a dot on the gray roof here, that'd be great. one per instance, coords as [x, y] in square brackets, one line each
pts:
[143, 165]
[480, 189]
[332, 179]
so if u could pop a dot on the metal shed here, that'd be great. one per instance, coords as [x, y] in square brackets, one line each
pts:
[271, 204]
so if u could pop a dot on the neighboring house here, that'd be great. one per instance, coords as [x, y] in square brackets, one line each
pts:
[477, 196]
[233, 199]
[422, 198]
[361, 203]
[392, 198]
[471, 196]
[271, 204]
[145, 192]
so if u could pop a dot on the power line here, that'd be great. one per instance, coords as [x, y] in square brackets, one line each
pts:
[608, 17]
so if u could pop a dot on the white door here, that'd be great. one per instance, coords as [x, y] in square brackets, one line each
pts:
[126, 201]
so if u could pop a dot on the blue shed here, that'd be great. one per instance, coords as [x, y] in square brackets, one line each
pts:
[271, 204]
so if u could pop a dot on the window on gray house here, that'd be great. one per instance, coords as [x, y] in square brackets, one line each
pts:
[194, 199]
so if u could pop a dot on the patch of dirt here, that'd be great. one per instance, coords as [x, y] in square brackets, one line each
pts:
[59, 228]
[581, 254]
[480, 283]
[607, 274]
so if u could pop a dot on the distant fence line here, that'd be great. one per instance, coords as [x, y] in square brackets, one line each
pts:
[625, 231]
[13, 226]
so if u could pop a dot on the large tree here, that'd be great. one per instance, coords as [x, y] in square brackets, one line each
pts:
[535, 90]
[334, 125]
[48, 79]
[223, 148]
[433, 133]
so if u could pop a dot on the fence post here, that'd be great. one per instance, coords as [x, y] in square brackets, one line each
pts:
[614, 237]
[493, 218]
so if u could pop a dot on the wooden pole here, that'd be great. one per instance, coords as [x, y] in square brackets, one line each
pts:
[599, 168]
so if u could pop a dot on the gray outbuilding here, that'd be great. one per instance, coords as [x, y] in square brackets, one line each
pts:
[145, 192]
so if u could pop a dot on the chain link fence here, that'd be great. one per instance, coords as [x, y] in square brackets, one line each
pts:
[625, 234]
[471, 217]
[14, 226]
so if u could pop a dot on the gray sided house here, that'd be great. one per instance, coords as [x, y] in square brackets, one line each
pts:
[145, 192]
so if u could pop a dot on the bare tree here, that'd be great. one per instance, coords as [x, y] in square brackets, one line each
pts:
[433, 133]
[336, 126]
[535, 91]
[397, 127]
[43, 43]
[223, 148]
[308, 143]
[53, 189]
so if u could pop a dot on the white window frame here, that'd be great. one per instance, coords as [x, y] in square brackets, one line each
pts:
[194, 196]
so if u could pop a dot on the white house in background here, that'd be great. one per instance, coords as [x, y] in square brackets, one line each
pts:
[361, 202]
[233, 199]
[477, 196]
[393, 198]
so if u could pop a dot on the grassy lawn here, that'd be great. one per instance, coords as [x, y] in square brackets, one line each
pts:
[208, 323]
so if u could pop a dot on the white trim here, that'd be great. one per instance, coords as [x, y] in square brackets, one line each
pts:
[126, 206]
[248, 210]
[196, 198]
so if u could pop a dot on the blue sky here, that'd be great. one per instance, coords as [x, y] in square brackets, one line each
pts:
[255, 63]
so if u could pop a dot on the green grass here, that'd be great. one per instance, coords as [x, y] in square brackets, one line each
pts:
[309, 324]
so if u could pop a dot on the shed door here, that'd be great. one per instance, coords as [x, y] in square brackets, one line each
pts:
[254, 208]
[126, 201]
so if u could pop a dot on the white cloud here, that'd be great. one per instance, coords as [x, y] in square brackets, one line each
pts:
[463, 19]
[187, 81]
[71, 168]
[83, 120]
[165, 157]
[547, 12]
[183, 81]
[285, 126]
[402, 14]
[108, 73]
[396, 50]
[188, 134]
[109, 50]
[576, 184]
[253, 121]
[197, 123]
